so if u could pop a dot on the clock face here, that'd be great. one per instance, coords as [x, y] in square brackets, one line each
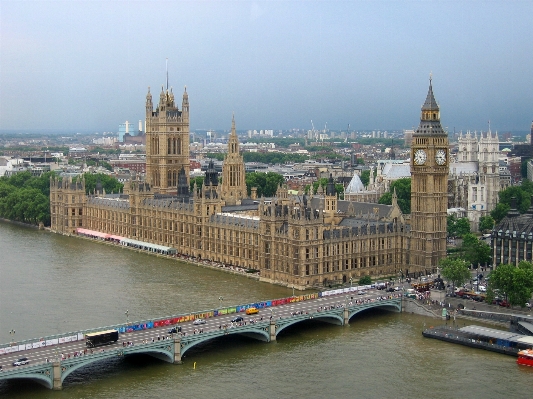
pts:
[420, 157]
[440, 157]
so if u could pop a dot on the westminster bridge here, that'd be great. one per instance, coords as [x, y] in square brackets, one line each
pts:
[52, 359]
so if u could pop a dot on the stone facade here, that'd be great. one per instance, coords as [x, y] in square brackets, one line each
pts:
[291, 239]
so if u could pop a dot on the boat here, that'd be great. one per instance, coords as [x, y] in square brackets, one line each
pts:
[525, 357]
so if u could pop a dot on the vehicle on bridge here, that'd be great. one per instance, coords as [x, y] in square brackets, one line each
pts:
[252, 311]
[101, 338]
[21, 362]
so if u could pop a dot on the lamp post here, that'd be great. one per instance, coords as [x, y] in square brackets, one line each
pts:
[12, 333]
[220, 299]
[271, 314]
[293, 290]
[351, 281]
[127, 316]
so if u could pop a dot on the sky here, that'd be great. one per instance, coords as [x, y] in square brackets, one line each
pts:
[87, 65]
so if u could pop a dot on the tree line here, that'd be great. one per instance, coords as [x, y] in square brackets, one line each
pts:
[26, 198]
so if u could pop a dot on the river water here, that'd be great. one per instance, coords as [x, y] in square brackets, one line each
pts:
[51, 283]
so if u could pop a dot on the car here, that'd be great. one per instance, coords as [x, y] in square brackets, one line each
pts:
[504, 303]
[390, 289]
[198, 322]
[361, 292]
[22, 361]
[174, 330]
[237, 319]
[252, 311]
[482, 288]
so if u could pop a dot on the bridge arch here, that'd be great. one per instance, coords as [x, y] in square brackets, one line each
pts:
[260, 334]
[390, 306]
[332, 318]
[45, 380]
[68, 368]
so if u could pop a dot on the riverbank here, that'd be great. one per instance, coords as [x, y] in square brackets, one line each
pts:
[178, 257]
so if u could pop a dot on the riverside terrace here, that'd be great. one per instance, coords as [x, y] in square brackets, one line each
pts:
[52, 359]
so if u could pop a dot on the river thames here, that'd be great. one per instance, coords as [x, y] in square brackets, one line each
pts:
[51, 283]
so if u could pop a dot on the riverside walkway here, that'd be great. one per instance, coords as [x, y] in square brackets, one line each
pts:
[52, 359]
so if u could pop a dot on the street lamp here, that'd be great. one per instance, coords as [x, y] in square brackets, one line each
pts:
[351, 281]
[127, 316]
[293, 290]
[12, 333]
[220, 299]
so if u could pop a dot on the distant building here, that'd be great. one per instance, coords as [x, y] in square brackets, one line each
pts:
[77, 152]
[512, 238]
[126, 128]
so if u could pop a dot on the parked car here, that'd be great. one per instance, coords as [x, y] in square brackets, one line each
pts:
[22, 361]
[198, 322]
[504, 303]
[237, 319]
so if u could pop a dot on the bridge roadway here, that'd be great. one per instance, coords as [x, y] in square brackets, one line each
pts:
[50, 365]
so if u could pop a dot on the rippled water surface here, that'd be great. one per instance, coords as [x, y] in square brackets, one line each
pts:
[50, 284]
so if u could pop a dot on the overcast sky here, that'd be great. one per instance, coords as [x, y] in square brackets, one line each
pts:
[86, 65]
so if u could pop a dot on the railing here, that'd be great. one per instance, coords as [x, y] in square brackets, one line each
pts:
[56, 339]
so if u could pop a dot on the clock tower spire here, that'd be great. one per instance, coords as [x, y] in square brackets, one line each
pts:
[429, 189]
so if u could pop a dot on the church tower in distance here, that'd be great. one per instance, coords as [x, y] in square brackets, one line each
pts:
[429, 183]
[167, 142]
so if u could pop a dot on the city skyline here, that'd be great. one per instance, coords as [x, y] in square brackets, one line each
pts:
[278, 65]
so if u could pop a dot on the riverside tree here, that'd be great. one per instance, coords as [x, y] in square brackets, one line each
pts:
[455, 270]
[515, 283]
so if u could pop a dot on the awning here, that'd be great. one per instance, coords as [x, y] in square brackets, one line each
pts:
[92, 233]
[113, 237]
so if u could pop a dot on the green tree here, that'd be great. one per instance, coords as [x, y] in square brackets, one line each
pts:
[365, 280]
[457, 227]
[403, 193]
[499, 212]
[475, 251]
[450, 225]
[523, 168]
[365, 177]
[462, 227]
[109, 183]
[486, 223]
[514, 282]
[266, 183]
[455, 270]
[522, 194]
[199, 180]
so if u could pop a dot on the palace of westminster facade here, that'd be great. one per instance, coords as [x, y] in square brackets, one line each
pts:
[300, 240]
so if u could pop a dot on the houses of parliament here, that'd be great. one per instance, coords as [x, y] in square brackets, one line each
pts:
[295, 240]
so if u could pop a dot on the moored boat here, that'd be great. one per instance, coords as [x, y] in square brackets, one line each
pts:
[525, 357]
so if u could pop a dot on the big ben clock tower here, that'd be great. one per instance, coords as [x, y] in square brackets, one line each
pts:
[429, 183]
